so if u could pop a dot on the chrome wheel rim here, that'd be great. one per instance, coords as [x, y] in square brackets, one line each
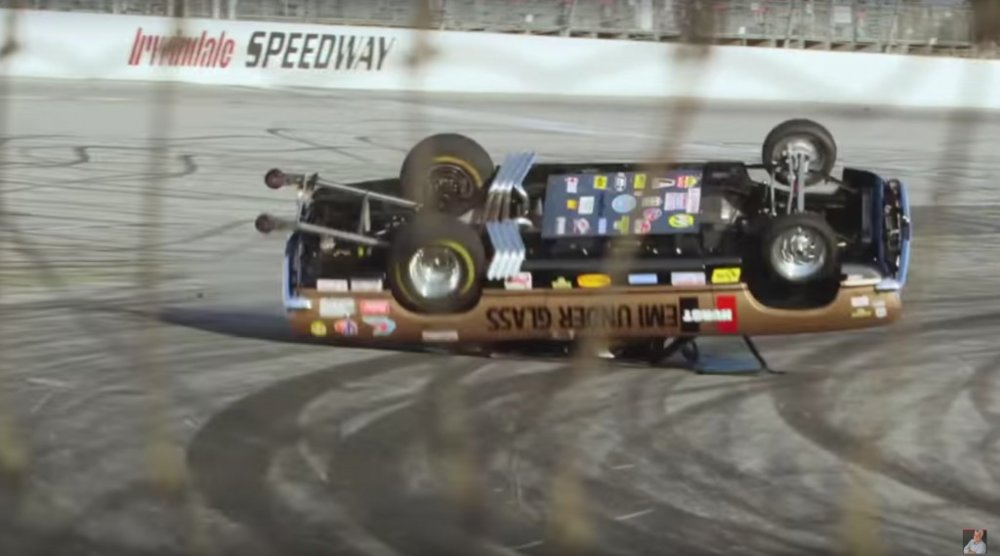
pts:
[450, 184]
[435, 272]
[798, 254]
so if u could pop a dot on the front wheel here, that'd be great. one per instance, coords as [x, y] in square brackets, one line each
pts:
[800, 248]
[436, 264]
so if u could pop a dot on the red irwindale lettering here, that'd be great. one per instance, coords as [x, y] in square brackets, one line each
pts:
[180, 51]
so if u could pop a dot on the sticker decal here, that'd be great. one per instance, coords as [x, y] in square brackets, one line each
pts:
[642, 279]
[652, 201]
[665, 182]
[860, 301]
[640, 182]
[687, 182]
[561, 283]
[520, 281]
[623, 204]
[681, 221]
[318, 329]
[687, 306]
[587, 205]
[366, 285]
[329, 285]
[600, 182]
[440, 335]
[381, 326]
[726, 275]
[374, 306]
[727, 302]
[346, 327]
[593, 280]
[621, 182]
[674, 201]
[861, 313]
[333, 307]
[687, 278]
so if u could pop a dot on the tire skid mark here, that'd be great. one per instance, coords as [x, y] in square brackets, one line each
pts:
[230, 455]
[803, 412]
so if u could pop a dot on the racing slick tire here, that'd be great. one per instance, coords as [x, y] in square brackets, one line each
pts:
[446, 173]
[435, 265]
[800, 248]
[800, 134]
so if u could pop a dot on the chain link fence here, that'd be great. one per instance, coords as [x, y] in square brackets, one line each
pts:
[925, 26]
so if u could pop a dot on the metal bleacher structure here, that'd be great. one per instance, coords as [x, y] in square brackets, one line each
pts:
[930, 27]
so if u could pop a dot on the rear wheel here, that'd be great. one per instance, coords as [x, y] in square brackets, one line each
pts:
[447, 173]
[436, 264]
[799, 135]
[800, 248]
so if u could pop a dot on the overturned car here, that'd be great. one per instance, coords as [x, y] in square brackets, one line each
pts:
[458, 249]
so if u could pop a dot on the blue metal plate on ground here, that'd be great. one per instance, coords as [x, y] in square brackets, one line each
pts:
[625, 203]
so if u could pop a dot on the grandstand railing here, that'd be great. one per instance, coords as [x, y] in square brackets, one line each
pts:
[928, 26]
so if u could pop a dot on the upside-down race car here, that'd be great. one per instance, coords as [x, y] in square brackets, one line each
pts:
[457, 249]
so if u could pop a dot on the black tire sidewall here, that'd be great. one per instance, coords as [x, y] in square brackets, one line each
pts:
[445, 148]
[816, 222]
[810, 129]
[436, 230]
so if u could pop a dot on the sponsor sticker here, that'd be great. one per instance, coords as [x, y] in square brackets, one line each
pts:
[860, 301]
[561, 283]
[374, 307]
[621, 183]
[693, 204]
[571, 204]
[861, 313]
[317, 328]
[640, 182]
[346, 327]
[586, 205]
[687, 278]
[665, 182]
[571, 183]
[593, 280]
[687, 305]
[600, 182]
[881, 312]
[602, 226]
[366, 285]
[674, 201]
[643, 226]
[333, 307]
[730, 326]
[329, 285]
[642, 279]
[726, 276]
[707, 315]
[581, 226]
[623, 204]
[687, 182]
[652, 201]
[440, 335]
[622, 224]
[681, 221]
[561, 225]
[381, 326]
[652, 214]
[520, 281]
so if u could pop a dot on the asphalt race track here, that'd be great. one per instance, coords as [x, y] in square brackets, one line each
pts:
[152, 401]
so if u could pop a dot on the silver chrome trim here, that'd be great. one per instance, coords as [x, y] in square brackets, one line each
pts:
[291, 302]
[888, 285]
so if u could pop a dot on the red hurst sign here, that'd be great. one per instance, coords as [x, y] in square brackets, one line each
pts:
[274, 49]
